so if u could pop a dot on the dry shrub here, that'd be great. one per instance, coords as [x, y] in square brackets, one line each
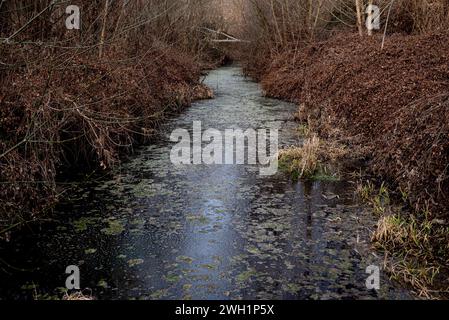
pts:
[284, 26]
[279, 26]
[43, 128]
[420, 164]
[417, 16]
[81, 98]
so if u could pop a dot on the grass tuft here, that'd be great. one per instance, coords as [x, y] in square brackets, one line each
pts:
[302, 162]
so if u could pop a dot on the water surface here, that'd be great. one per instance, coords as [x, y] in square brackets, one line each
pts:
[153, 230]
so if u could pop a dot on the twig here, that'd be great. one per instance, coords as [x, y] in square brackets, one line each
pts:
[54, 2]
[386, 25]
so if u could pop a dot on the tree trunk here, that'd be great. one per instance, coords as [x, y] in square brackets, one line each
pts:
[358, 6]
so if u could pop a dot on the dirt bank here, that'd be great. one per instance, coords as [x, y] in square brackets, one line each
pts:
[393, 103]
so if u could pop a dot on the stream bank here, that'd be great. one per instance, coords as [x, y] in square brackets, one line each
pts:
[390, 108]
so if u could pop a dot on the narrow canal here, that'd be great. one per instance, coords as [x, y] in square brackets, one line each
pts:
[153, 230]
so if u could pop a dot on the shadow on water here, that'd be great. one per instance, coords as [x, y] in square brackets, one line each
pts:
[158, 231]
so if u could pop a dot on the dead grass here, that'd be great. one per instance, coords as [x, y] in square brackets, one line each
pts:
[77, 296]
[416, 246]
[303, 161]
[315, 159]
[412, 255]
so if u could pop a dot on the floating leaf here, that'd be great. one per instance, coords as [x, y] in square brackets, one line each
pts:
[115, 228]
[90, 251]
[82, 224]
[172, 278]
[184, 259]
[159, 294]
[244, 276]
[187, 287]
[135, 262]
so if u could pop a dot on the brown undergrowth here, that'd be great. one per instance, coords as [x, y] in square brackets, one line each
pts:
[391, 108]
[392, 103]
[83, 113]
[74, 99]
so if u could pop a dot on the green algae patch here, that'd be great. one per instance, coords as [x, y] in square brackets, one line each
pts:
[198, 219]
[83, 224]
[208, 266]
[158, 294]
[246, 275]
[172, 278]
[185, 259]
[102, 284]
[114, 228]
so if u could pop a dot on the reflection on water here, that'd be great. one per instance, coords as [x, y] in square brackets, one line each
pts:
[156, 231]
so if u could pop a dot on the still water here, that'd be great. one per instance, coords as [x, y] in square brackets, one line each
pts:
[152, 230]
